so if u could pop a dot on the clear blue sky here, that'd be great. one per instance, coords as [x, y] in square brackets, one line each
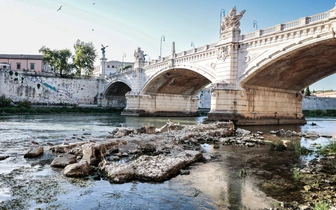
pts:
[124, 25]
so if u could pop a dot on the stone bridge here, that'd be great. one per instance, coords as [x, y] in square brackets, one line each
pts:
[255, 78]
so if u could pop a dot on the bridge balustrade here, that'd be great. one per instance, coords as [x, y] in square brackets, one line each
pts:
[317, 17]
[268, 30]
[183, 57]
[287, 26]
[295, 23]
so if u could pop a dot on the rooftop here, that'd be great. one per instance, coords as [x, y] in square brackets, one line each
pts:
[20, 56]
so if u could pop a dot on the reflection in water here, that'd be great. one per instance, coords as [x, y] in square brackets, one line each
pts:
[214, 185]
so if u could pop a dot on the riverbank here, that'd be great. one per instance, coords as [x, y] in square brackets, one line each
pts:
[319, 113]
[45, 109]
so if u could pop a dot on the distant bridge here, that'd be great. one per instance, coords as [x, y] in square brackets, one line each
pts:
[256, 78]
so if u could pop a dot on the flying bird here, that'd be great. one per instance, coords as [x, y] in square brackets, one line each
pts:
[60, 8]
[92, 29]
[93, 3]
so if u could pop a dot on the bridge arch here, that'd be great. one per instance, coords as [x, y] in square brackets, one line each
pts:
[114, 93]
[293, 67]
[182, 79]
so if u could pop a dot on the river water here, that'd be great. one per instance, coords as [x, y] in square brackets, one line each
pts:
[33, 184]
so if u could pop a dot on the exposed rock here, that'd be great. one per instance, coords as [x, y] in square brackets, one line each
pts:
[123, 132]
[113, 158]
[118, 173]
[312, 135]
[184, 172]
[150, 129]
[160, 168]
[150, 168]
[93, 153]
[34, 151]
[63, 160]
[80, 169]
[66, 148]
[3, 157]
[326, 136]
[240, 131]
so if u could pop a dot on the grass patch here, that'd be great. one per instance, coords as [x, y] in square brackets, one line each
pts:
[298, 150]
[329, 149]
[56, 110]
[319, 113]
[297, 175]
[321, 206]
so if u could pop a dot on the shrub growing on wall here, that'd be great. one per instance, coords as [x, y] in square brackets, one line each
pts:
[25, 104]
[4, 102]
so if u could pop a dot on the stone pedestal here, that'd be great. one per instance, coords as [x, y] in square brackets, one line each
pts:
[252, 106]
[103, 65]
[160, 105]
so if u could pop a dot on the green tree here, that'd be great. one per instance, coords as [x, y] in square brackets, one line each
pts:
[121, 69]
[63, 56]
[307, 92]
[83, 60]
[48, 56]
[58, 60]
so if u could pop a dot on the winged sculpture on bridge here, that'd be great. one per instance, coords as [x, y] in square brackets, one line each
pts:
[232, 20]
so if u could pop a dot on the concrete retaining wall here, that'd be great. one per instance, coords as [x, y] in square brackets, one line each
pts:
[43, 88]
[318, 103]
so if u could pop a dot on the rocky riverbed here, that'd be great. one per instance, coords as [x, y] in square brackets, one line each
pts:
[152, 154]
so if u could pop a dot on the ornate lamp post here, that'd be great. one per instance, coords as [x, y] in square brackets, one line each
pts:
[162, 39]
[255, 24]
[221, 14]
[123, 64]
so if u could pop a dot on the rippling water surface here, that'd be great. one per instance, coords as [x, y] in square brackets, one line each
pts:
[213, 185]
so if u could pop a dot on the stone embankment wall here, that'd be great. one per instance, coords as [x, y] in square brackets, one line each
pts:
[48, 89]
[318, 103]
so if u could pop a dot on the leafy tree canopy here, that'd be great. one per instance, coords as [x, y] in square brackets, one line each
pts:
[83, 60]
[307, 92]
[58, 59]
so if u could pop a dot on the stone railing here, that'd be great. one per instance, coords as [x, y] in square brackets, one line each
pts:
[184, 56]
[299, 23]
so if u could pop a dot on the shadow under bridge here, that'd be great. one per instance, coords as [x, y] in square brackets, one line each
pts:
[115, 95]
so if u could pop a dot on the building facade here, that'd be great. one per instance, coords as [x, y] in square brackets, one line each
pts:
[112, 67]
[19, 62]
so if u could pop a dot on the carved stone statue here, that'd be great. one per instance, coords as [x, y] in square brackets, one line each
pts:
[139, 54]
[232, 20]
[103, 50]
[223, 53]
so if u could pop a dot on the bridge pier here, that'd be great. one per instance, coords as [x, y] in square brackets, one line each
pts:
[256, 106]
[160, 105]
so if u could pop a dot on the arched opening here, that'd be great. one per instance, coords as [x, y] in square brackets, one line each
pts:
[177, 81]
[273, 85]
[171, 92]
[115, 95]
[297, 69]
[321, 95]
